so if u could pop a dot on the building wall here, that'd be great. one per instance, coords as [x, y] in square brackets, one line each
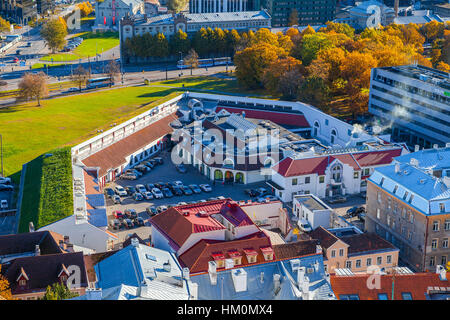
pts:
[159, 241]
[104, 9]
[310, 12]
[39, 294]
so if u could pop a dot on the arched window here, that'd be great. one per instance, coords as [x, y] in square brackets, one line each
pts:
[316, 128]
[228, 163]
[333, 136]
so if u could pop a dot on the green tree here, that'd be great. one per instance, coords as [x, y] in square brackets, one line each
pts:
[232, 39]
[315, 92]
[179, 42]
[54, 33]
[200, 42]
[311, 45]
[293, 18]
[58, 291]
[161, 47]
[177, 5]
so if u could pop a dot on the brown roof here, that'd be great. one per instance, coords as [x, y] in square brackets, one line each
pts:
[92, 259]
[325, 237]
[416, 284]
[295, 249]
[42, 271]
[48, 242]
[114, 155]
[197, 257]
[366, 242]
[127, 242]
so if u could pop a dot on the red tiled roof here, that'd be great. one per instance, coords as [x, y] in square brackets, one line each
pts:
[197, 257]
[114, 155]
[376, 158]
[289, 167]
[295, 249]
[416, 284]
[281, 118]
[366, 242]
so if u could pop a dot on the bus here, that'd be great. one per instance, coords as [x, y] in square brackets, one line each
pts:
[202, 63]
[99, 83]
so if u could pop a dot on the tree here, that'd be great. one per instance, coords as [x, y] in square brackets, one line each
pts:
[5, 26]
[113, 69]
[443, 66]
[232, 39]
[179, 42]
[85, 8]
[219, 41]
[58, 291]
[252, 62]
[327, 66]
[33, 86]
[315, 92]
[177, 5]
[274, 77]
[161, 46]
[311, 45]
[201, 42]
[54, 34]
[5, 288]
[432, 30]
[339, 28]
[80, 76]
[191, 59]
[293, 18]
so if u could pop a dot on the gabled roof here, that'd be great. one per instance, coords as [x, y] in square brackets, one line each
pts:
[197, 257]
[376, 158]
[366, 242]
[325, 237]
[295, 249]
[114, 155]
[416, 284]
[48, 242]
[289, 167]
[43, 271]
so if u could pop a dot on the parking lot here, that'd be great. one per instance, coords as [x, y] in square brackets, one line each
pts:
[7, 223]
[352, 201]
[167, 172]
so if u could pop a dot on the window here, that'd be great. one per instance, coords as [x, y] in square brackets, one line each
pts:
[434, 243]
[349, 297]
[382, 181]
[406, 296]
[395, 189]
[369, 262]
[358, 263]
[307, 180]
[447, 225]
[333, 253]
[382, 296]
[367, 171]
[294, 181]
[348, 264]
[389, 203]
[411, 198]
[341, 252]
[388, 220]
[432, 261]
[443, 260]
[356, 175]
[22, 282]
[445, 243]
[389, 259]
[405, 195]
[321, 179]
[379, 260]
[442, 207]
[378, 213]
[436, 225]
[379, 197]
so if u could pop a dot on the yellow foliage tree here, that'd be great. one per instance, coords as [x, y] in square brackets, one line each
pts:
[5, 290]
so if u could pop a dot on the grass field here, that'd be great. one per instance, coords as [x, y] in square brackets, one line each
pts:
[93, 43]
[47, 193]
[29, 131]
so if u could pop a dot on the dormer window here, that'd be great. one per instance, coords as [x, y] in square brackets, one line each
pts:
[251, 255]
[219, 258]
[267, 253]
[22, 278]
[22, 282]
[63, 274]
[236, 256]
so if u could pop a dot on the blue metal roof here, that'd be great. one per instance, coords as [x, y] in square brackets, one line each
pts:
[96, 200]
[98, 217]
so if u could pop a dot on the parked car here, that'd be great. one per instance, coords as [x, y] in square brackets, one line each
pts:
[160, 185]
[6, 187]
[182, 203]
[181, 168]
[5, 180]
[337, 199]
[153, 162]
[220, 198]
[118, 214]
[138, 196]
[167, 193]
[109, 192]
[205, 187]
[133, 172]
[115, 224]
[129, 176]
[142, 168]
[147, 195]
[202, 201]
[177, 191]
[151, 210]
[354, 211]
[3, 204]
[127, 223]
[212, 199]
[186, 190]
[116, 199]
[139, 221]
[131, 213]
[195, 188]
[150, 186]
[161, 209]
[157, 193]
[15, 60]
[121, 191]
[304, 225]
[267, 198]
[130, 190]
[159, 160]
[141, 188]
[148, 164]
[178, 183]
[171, 185]
[262, 192]
[251, 192]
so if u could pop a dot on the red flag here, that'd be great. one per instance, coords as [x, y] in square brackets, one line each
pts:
[104, 20]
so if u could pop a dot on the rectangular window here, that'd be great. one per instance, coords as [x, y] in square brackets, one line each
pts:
[358, 263]
[382, 181]
[395, 189]
[443, 260]
[378, 213]
[389, 259]
[411, 198]
[406, 296]
[432, 261]
[436, 225]
[348, 264]
[341, 252]
[379, 260]
[442, 207]
[348, 297]
[321, 179]
[379, 197]
[294, 181]
[389, 203]
[434, 243]
[445, 243]
[405, 195]
[369, 262]
[382, 296]
[333, 253]
[307, 180]
[447, 225]
[356, 174]
[366, 172]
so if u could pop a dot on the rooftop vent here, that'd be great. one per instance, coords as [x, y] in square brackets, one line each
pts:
[414, 162]
[186, 213]
[203, 214]
[167, 267]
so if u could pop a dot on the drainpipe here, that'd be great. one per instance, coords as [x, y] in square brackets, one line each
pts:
[425, 246]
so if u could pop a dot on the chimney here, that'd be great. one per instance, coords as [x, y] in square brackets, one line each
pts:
[239, 277]
[440, 270]
[318, 249]
[414, 162]
[229, 263]
[416, 148]
[66, 239]
[185, 273]
[37, 250]
[396, 7]
[276, 283]
[166, 266]
[143, 288]
[300, 276]
[305, 289]
[134, 242]
[435, 146]
[397, 167]
[212, 270]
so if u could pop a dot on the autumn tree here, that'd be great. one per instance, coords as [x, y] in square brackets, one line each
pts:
[327, 66]
[293, 18]
[177, 5]
[179, 42]
[54, 33]
[191, 60]
[339, 28]
[251, 63]
[80, 76]
[443, 66]
[33, 86]
[5, 288]
[232, 38]
[432, 30]
[313, 90]
[311, 45]
[283, 76]
[5, 26]
[85, 8]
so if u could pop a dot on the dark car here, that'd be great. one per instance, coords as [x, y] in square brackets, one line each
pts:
[195, 188]
[139, 221]
[181, 168]
[161, 208]
[131, 213]
[6, 187]
[171, 185]
[127, 223]
[150, 186]
[177, 191]
[159, 160]
[142, 168]
[115, 224]
[130, 190]
[355, 211]
[109, 192]
[251, 192]
[362, 216]
[186, 190]
[153, 162]
[148, 164]
[160, 185]
[167, 193]
[118, 215]
[151, 211]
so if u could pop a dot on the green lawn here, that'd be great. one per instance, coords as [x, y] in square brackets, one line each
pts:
[47, 193]
[29, 131]
[93, 43]
[42, 65]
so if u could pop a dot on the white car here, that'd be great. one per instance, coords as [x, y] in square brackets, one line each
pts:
[3, 205]
[304, 225]
[206, 187]
[178, 183]
[120, 191]
[141, 188]
[267, 198]
[157, 193]
[148, 195]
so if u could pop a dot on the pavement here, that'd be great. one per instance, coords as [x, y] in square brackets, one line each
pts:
[352, 201]
[7, 223]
